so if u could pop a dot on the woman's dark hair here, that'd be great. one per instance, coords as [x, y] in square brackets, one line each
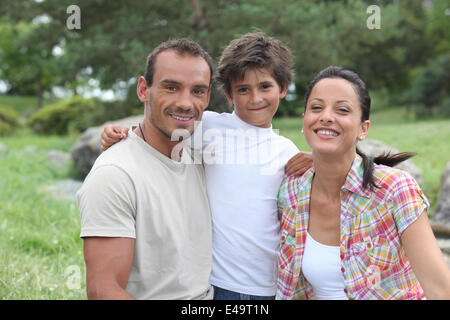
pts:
[387, 159]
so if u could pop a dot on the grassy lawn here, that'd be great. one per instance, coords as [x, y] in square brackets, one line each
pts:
[40, 249]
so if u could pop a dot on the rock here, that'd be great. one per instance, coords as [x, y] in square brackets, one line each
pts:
[61, 190]
[59, 158]
[87, 148]
[441, 215]
[375, 148]
[31, 149]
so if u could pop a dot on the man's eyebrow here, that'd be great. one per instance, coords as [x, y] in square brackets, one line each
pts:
[174, 82]
[169, 81]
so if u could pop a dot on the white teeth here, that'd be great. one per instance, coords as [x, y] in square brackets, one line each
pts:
[328, 133]
[180, 118]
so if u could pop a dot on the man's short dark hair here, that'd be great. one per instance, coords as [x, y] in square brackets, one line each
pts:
[181, 47]
[254, 51]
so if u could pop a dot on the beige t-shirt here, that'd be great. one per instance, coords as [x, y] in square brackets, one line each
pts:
[136, 192]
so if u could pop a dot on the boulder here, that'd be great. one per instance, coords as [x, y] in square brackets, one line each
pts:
[58, 158]
[375, 148]
[87, 148]
[441, 215]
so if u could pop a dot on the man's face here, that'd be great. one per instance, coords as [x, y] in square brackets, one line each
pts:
[179, 93]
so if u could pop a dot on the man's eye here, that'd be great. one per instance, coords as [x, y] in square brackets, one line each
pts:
[171, 88]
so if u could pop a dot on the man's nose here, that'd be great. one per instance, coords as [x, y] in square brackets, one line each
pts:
[184, 100]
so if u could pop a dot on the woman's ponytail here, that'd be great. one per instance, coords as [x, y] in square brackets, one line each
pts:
[386, 159]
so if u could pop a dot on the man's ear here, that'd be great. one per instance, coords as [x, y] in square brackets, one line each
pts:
[142, 89]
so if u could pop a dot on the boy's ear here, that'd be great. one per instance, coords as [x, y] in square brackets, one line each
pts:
[283, 92]
[229, 98]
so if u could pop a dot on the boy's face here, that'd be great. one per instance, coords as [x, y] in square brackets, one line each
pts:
[256, 97]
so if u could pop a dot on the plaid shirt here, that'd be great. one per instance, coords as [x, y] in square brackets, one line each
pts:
[373, 261]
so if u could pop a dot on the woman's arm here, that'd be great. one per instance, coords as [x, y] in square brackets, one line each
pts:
[426, 258]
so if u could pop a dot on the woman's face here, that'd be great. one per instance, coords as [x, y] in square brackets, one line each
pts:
[332, 119]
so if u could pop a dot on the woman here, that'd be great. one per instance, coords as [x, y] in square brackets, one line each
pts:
[353, 227]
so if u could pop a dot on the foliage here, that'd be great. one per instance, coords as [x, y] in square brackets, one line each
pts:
[115, 37]
[430, 89]
[74, 114]
[9, 120]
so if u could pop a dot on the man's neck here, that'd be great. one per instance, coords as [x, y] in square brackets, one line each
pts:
[157, 139]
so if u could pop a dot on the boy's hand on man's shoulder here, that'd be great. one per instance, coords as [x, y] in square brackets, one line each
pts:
[299, 164]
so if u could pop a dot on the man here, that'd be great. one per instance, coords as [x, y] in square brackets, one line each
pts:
[145, 219]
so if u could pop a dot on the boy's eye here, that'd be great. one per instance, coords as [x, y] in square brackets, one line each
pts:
[242, 90]
[266, 86]
[199, 92]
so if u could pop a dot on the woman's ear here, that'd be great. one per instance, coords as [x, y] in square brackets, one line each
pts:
[364, 130]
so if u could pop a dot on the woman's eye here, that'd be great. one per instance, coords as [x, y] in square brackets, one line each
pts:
[343, 110]
[316, 107]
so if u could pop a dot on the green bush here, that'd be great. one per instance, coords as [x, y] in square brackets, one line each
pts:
[9, 120]
[73, 114]
[430, 89]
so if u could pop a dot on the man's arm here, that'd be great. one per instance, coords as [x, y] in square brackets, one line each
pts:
[108, 265]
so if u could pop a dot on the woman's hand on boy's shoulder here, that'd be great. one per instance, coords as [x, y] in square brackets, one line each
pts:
[112, 134]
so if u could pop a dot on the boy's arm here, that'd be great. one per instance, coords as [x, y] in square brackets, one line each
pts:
[112, 134]
[298, 164]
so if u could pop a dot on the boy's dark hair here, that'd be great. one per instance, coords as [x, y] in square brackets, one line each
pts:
[254, 50]
[180, 46]
[387, 159]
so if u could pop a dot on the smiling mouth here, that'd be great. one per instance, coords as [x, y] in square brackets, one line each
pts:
[257, 109]
[326, 132]
[181, 118]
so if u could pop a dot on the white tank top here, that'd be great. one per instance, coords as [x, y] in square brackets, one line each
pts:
[321, 267]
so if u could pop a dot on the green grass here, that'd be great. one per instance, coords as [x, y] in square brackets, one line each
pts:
[428, 138]
[39, 236]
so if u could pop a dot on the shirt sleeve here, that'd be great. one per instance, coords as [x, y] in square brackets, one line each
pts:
[409, 202]
[107, 203]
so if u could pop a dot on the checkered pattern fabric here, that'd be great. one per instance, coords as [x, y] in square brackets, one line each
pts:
[373, 261]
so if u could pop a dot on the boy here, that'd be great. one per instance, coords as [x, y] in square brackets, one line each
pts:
[244, 163]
